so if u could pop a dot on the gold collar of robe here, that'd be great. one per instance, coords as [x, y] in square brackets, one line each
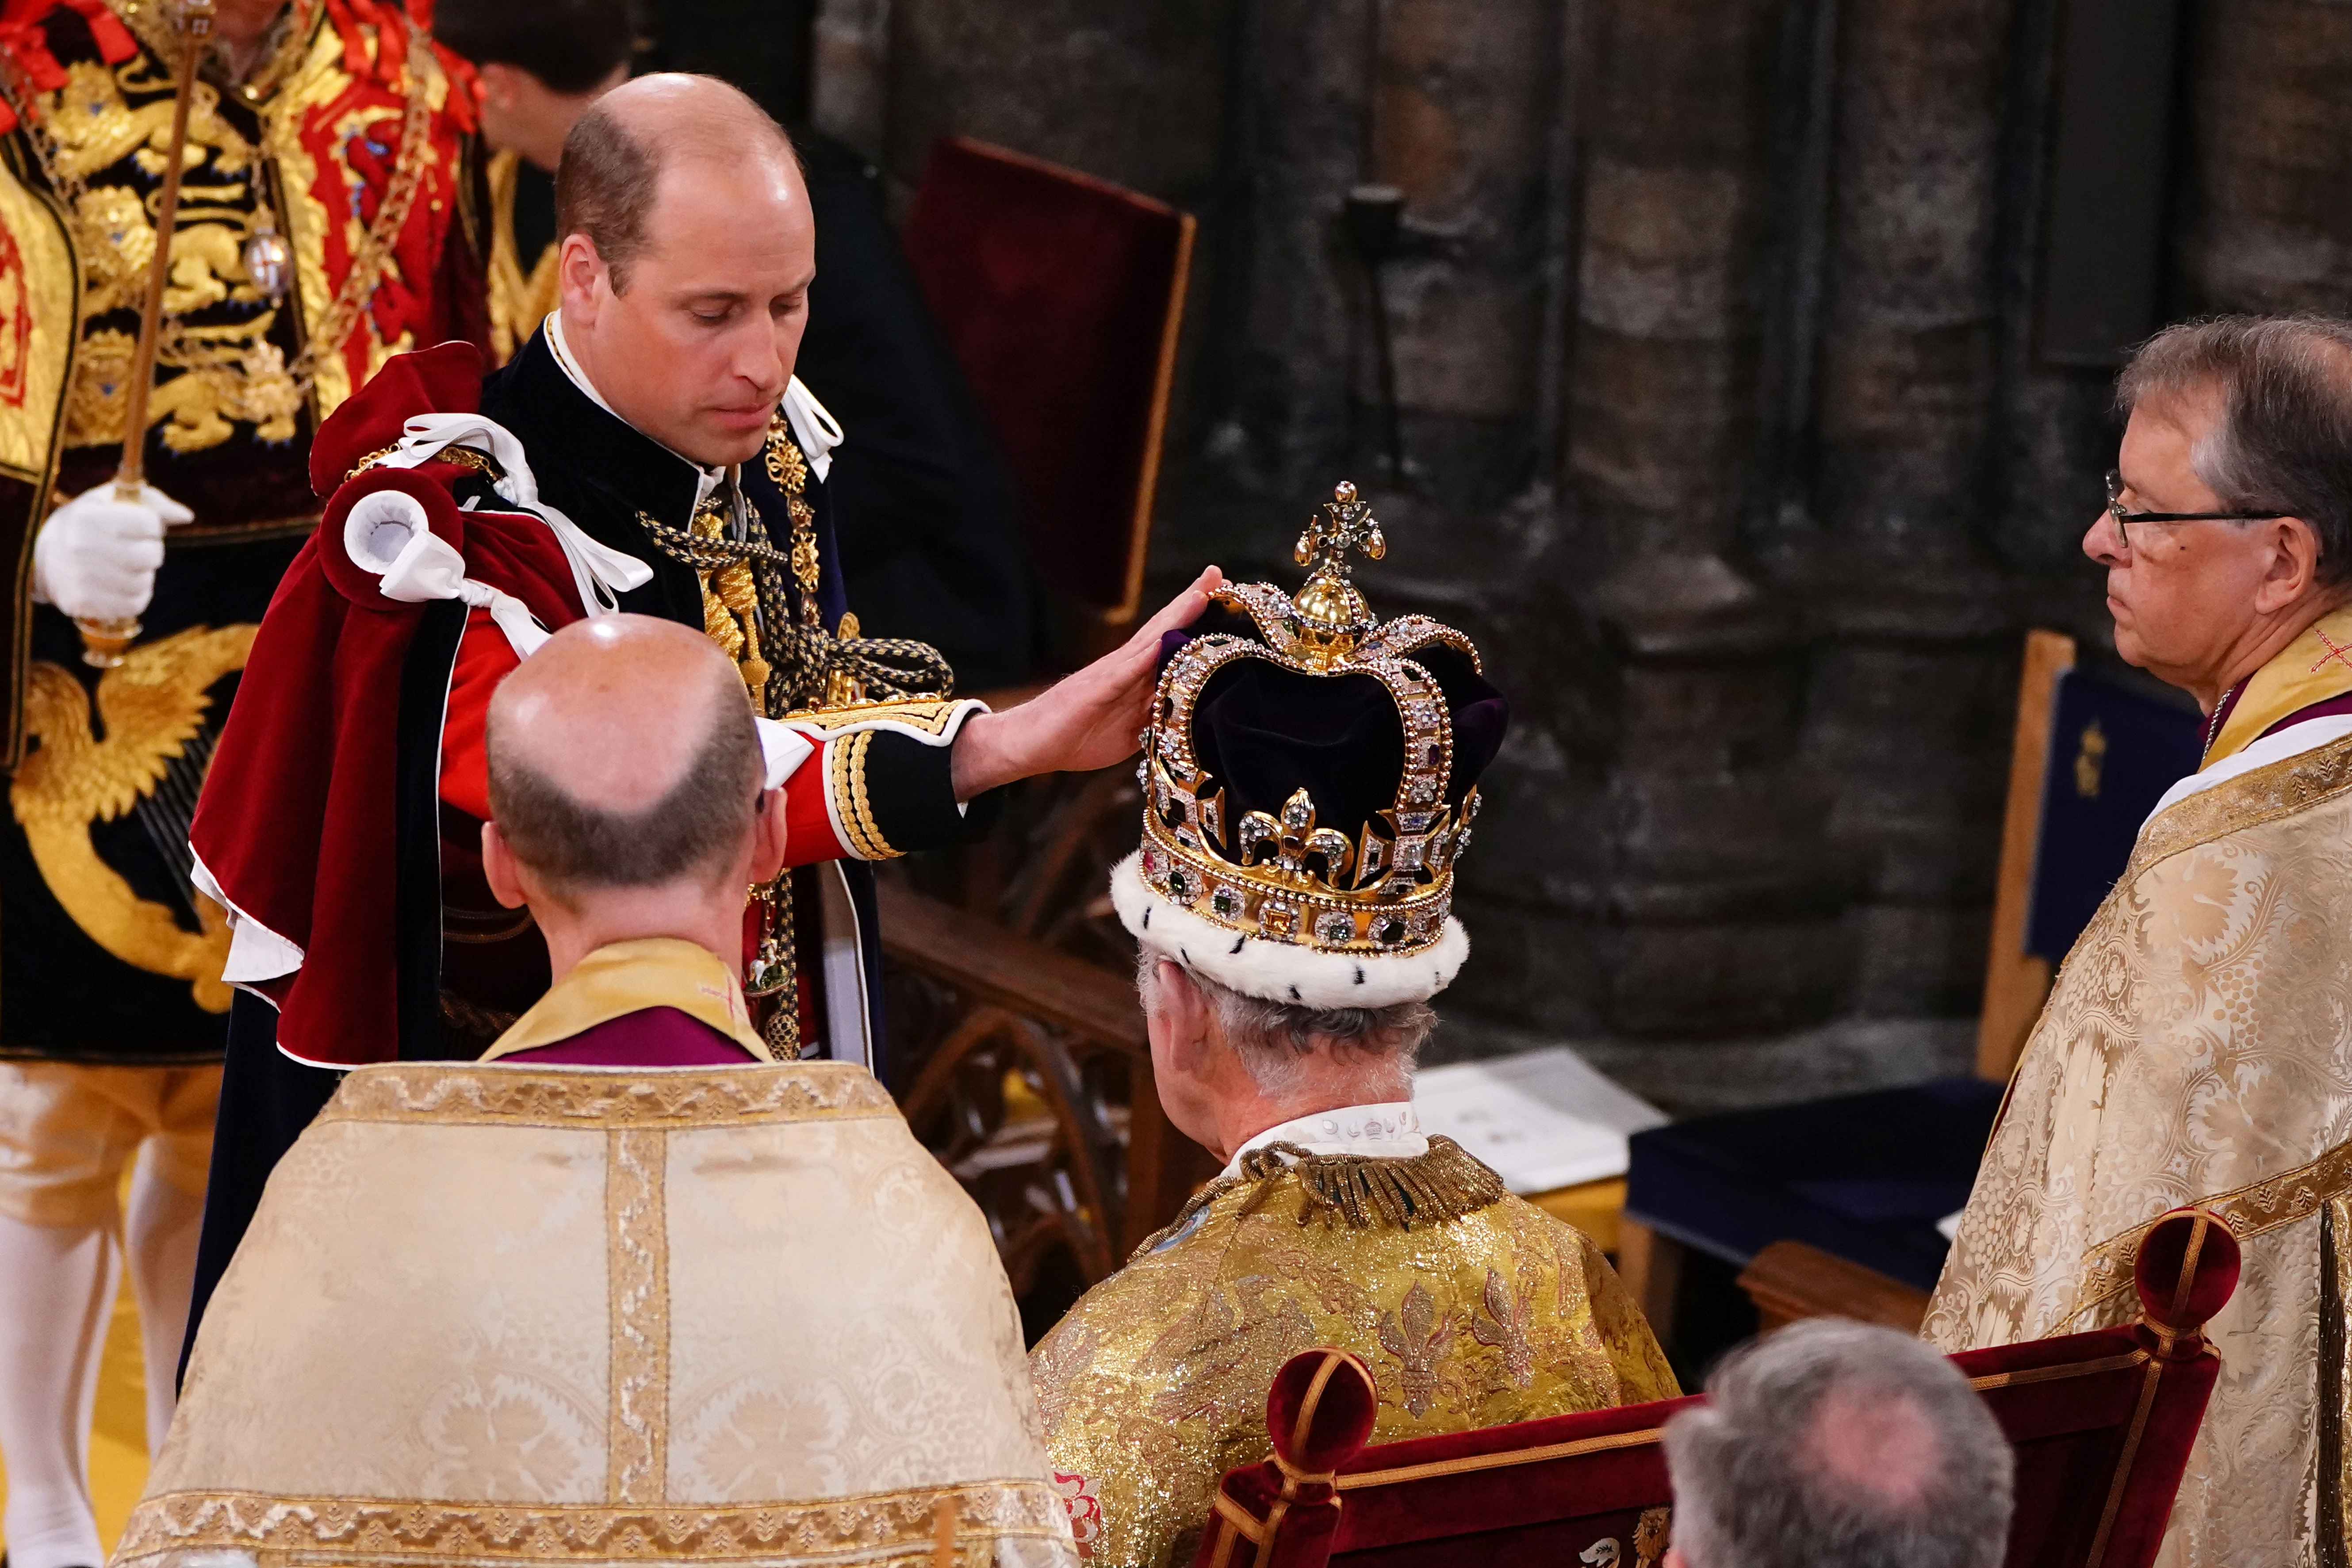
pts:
[2313, 668]
[623, 977]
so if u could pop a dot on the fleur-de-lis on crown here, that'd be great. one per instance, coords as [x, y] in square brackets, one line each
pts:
[1291, 838]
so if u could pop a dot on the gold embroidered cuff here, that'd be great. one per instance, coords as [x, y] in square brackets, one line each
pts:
[852, 808]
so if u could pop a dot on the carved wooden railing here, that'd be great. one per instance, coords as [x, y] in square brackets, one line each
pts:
[1031, 1077]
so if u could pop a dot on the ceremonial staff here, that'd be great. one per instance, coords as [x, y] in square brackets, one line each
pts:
[103, 640]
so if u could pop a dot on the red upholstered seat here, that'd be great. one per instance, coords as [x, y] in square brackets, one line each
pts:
[1061, 297]
[2102, 1423]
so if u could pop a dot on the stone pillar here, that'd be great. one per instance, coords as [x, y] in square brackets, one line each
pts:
[1916, 659]
[1702, 889]
[1127, 91]
[849, 95]
[2270, 161]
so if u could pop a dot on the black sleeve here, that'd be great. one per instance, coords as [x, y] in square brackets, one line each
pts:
[910, 792]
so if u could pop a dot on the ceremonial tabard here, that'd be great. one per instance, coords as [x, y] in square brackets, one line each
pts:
[504, 1314]
[2197, 1049]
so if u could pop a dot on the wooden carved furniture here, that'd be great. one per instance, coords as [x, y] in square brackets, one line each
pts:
[1789, 1281]
[2091, 760]
[1034, 1088]
[1062, 297]
[2018, 982]
[2102, 1423]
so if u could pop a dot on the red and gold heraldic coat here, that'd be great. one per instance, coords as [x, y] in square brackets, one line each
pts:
[349, 141]
[1472, 1308]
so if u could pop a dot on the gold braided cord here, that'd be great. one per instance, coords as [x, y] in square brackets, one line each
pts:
[801, 657]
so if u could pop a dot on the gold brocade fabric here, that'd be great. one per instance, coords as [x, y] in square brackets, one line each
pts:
[1155, 1384]
[2197, 1049]
[520, 295]
[500, 1313]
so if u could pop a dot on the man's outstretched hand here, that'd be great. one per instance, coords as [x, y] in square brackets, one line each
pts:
[1082, 722]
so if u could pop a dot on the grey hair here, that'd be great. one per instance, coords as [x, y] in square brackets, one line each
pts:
[1274, 1039]
[1760, 1481]
[2283, 440]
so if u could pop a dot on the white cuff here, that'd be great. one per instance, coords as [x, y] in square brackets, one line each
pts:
[785, 747]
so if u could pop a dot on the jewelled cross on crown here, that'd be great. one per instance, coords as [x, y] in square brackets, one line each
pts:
[1332, 614]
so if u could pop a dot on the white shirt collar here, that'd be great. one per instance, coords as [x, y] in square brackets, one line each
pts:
[1389, 1130]
[705, 479]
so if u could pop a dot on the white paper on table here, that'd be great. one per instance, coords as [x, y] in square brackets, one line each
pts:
[1541, 1120]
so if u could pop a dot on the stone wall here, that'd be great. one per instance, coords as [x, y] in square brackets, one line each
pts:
[1726, 431]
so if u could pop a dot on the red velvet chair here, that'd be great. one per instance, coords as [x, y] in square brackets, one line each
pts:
[2102, 1423]
[1061, 297]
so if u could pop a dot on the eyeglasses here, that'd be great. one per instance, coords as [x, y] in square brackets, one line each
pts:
[2124, 518]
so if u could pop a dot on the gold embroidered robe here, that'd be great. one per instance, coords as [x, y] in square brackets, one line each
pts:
[1155, 1384]
[349, 142]
[522, 289]
[2197, 1049]
[506, 1314]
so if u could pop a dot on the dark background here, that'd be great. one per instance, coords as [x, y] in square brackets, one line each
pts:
[1752, 361]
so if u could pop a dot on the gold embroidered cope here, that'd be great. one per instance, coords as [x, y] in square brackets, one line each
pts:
[1155, 1384]
[2194, 1050]
[600, 1336]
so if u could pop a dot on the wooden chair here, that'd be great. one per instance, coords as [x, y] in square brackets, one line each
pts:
[2101, 1424]
[2090, 760]
[1062, 297]
[1016, 1093]
[1789, 1280]
[1862, 1178]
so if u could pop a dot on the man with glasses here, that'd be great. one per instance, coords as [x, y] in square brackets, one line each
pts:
[2197, 1048]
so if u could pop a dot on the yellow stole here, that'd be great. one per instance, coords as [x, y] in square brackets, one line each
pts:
[2314, 667]
[623, 977]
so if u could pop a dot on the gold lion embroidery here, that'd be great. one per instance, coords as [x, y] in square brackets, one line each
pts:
[150, 706]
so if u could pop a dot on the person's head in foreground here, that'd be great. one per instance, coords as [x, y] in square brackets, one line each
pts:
[541, 64]
[1839, 1445]
[1311, 776]
[2230, 524]
[688, 249]
[627, 795]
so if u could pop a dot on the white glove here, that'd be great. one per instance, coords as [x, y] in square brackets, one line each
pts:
[96, 556]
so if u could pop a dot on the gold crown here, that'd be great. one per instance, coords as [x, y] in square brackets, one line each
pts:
[1388, 887]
